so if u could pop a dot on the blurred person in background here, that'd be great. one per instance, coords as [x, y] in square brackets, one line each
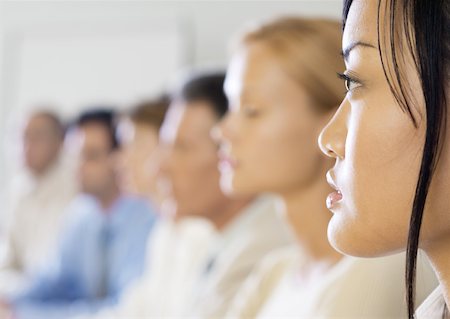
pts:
[40, 195]
[200, 257]
[102, 246]
[139, 135]
[282, 89]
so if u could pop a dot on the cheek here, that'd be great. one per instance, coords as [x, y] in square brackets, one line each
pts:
[284, 149]
[39, 151]
[377, 177]
[195, 174]
[197, 185]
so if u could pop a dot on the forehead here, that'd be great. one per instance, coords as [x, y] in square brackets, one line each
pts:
[192, 120]
[361, 24]
[40, 122]
[94, 135]
[250, 65]
[197, 121]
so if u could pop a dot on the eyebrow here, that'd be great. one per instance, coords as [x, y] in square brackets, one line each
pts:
[346, 52]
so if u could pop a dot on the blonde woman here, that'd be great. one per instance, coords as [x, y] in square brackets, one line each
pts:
[282, 90]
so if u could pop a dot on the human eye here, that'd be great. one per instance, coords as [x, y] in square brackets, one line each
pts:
[351, 82]
[250, 112]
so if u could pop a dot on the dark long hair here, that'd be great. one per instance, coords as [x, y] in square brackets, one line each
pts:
[425, 24]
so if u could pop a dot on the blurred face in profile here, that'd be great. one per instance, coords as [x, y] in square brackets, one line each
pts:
[190, 159]
[42, 142]
[269, 137]
[98, 161]
[139, 156]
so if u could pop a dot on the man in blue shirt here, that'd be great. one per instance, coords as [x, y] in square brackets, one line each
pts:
[102, 247]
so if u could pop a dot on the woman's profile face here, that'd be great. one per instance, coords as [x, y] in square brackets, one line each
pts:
[269, 137]
[378, 150]
[140, 158]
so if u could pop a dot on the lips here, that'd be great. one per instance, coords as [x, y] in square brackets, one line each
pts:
[225, 165]
[226, 161]
[336, 196]
[333, 198]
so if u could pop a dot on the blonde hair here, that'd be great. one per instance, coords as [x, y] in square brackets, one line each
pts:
[308, 50]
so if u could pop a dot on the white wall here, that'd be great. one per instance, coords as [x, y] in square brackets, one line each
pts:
[39, 39]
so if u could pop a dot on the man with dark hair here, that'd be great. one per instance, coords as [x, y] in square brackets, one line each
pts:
[98, 167]
[205, 87]
[35, 212]
[200, 257]
[102, 247]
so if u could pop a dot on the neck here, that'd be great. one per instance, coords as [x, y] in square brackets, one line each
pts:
[108, 198]
[438, 254]
[39, 174]
[308, 217]
[228, 212]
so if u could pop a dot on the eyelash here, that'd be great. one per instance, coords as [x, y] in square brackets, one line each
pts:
[348, 80]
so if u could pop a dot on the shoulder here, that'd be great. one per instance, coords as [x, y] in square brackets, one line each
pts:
[273, 266]
[262, 282]
[80, 209]
[282, 257]
[364, 287]
[137, 210]
[264, 227]
[134, 215]
[137, 205]
[433, 307]
[258, 232]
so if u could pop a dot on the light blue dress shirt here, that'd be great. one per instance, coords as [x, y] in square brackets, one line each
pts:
[98, 255]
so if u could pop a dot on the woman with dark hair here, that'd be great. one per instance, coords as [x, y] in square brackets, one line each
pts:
[390, 138]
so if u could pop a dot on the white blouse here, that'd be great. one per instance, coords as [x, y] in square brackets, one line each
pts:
[352, 288]
[433, 307]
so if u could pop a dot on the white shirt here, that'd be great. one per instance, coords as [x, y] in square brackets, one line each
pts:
[197, 270]
[36, 216]
[258, 231]
[433, 307]
[352, 288]
[176, 254]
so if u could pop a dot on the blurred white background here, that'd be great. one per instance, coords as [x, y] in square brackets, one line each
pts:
[70, 54]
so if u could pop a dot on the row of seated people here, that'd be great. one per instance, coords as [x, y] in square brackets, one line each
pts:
[159, 220]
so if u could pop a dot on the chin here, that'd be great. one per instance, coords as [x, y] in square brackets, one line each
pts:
[84, 189]
[226, 184]
[344, 236]
[351, 239]
[245, 186]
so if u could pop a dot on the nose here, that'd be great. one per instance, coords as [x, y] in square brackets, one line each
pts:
[333, 136]
[224, 131]
[216, 134]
